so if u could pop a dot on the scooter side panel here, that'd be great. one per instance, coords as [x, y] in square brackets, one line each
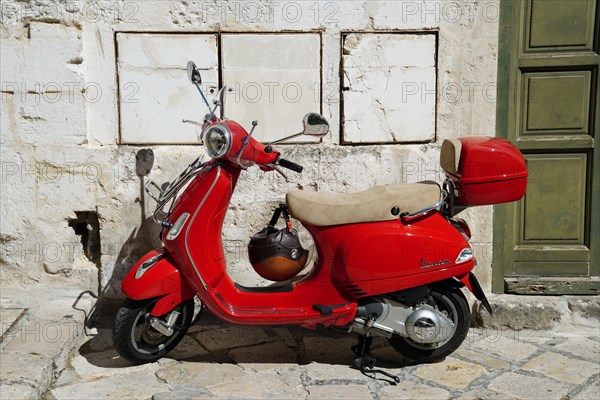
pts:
[388, 256]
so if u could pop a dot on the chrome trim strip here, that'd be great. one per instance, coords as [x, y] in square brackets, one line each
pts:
[187, 231]
[427, 209]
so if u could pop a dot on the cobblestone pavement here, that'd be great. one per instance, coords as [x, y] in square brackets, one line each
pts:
[217, 360]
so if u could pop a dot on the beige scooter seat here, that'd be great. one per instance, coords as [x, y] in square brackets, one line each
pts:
[375, 204]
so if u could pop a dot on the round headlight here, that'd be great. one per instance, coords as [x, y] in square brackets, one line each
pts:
[217, 140]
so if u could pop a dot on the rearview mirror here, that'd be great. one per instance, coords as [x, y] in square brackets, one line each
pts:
[193, 73]
[315, 125]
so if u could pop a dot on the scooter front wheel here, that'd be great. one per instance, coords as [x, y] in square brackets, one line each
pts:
[453, 304]
[137, 341]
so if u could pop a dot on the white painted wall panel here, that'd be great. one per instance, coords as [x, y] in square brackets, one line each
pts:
[276, 79]
[154, 92]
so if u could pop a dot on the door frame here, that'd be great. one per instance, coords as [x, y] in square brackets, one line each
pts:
[505, 222]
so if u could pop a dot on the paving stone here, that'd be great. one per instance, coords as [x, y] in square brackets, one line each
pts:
[484, 394]
[413, 390]
[528, 387]
[199, 374]
[329, 350]
[185, 393]
[55, 339]
[581, 347]
[256, 386]
[135, 385]
[106, 363]
[327, 372]
[506, 348]
[451, 372]
[18, 391]
[187, 348]
[491, 362]
[8, 316]
[67, 377]
[264, 357]
[100, 340]
[291, 375]
[591, 392]
[562, 368]
[43, 337]
[231, 336]
[26, 368]
[328, 392]
[288, 335]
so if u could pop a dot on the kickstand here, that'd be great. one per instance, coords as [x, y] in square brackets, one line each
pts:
[366, 361]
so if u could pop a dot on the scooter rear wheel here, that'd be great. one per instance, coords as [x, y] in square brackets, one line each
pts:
[137, 341]
[451, 302]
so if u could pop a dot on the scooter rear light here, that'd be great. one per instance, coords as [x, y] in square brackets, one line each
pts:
[176, 228]
[462, 227]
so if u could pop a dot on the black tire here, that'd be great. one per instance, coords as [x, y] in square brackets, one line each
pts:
[452, 302]
[134, 338]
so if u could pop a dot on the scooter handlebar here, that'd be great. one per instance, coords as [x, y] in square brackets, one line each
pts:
[290, 165]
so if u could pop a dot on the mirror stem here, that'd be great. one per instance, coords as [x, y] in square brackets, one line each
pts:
[286, 138]
[204, 98]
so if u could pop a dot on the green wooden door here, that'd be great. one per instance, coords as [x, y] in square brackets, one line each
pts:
[548, 104]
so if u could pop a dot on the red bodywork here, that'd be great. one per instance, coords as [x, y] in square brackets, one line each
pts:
[354, 261]
[490, 171]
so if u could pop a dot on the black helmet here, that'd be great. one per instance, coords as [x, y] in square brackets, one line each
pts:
[277, 255]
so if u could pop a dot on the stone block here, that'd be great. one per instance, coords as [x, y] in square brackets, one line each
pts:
[506, 348]
[589, 393]
[117, 386]
[230, 336]
[528, 387]
[55, 339]
[18, 391]
[490, 362]
[339, 392]
[411, 390]
[256, 386]
[187, 392]
[451, 372]
[516, 314]
[199, 374]
[8, 316]
[389, 88]
[26, 368]
[581, 347]
[50, 56]
[264, 357]
[318, 372]
[562, 368]
[56, 118]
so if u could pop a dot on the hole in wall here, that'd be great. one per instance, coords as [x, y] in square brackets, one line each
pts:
[87, 226]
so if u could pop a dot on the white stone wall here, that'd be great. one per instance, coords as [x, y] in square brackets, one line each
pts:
[82, 79]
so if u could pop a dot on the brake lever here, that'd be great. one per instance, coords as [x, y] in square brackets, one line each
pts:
[278, 169]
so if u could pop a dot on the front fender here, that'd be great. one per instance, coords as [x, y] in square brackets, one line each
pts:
[155, 275]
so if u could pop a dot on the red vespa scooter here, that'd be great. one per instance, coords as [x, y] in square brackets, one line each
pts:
[391, 261]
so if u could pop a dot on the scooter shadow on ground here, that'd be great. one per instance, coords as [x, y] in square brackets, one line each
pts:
[214, 341]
